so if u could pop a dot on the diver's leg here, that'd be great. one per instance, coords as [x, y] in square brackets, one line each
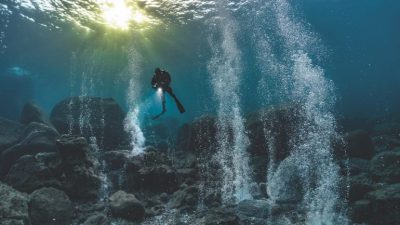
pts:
[164, 109]
[177, 102]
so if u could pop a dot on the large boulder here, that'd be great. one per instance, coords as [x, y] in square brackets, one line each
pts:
[10, 133]
[49, 206]
[386, 166]
[126, 206]
[82, 183]
[73, 150]
[359, 144]
[285, 184]
[151, 172]
[115, 164]
[272, 127]
[199, 136]
[116, 160]
[162, 178]
[269, 132]
[29, 174]
[90, 117]
[13, 206]
[32, 113]
[36, 138]
[80, 178]
[71, 169]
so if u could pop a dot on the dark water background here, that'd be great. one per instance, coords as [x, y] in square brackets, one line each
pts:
[361, 42]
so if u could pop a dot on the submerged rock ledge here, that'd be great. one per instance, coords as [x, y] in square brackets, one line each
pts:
[49, 175]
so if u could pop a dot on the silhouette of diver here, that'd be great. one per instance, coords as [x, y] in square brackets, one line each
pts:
[162, 79]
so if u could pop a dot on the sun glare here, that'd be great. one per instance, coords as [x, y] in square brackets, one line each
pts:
[139, 17]
[119, 14]
[116, 13]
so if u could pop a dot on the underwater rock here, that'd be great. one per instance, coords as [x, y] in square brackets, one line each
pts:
[13, 207]
[32, 113]
[359, 186]
[255, 191]
[187, 175]
[161, 178]
[279, 122]
[253, 208]
[90, 117]
[116, 160]
[152, 172]
[97, 219]
[360, 211]
[212, 199]
[115, 164]
[259, 167]
[73, 149]
[354, 166]
[198, 136]
[359, 144]
[70, 169]
[49, 206]
[126, 206]
[36, 138]
[52, 160]
[85, 210]
[185, 199]
[391, 128]
[161, 135]
[285, 185]
[155, 204]
[10, 133]
[386, 166]
[80, 179]
[11, 222]
[263, 189]
[29, 174]
[220, 216]
[385, 143]
[269, 132]
[380, 207]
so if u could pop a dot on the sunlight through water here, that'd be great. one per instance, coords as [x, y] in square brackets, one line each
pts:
[116, 13]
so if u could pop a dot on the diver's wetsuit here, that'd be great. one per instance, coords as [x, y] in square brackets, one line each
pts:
[162, 79]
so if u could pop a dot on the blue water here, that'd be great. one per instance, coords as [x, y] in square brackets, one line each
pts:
[361, 41]
[334, 59]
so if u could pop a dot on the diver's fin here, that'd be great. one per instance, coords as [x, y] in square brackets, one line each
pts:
[181, 108]
[179, 105]
[158, 116]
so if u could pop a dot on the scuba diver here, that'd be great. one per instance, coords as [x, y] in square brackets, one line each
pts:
[160, 81]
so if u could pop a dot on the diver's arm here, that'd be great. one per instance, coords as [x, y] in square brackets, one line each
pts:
[154, 82]
[167, 78]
